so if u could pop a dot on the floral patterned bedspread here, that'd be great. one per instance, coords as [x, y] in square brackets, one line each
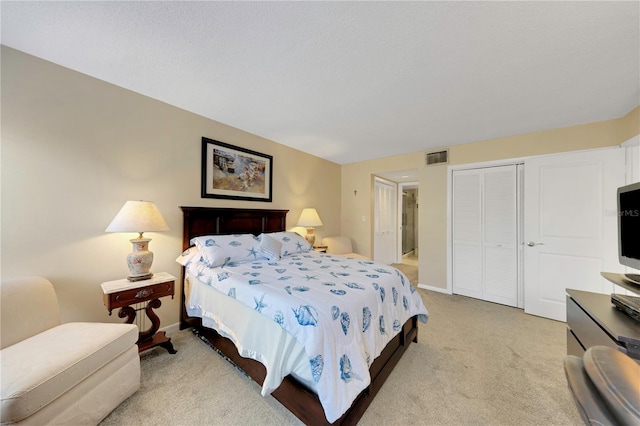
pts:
[342, 310]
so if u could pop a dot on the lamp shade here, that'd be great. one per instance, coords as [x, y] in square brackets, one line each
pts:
[138, 216]
[309, 218]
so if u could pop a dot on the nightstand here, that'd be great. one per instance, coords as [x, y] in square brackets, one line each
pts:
[124, 293]
[321, 249]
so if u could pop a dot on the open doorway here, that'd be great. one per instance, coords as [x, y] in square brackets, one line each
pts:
[406, 244]
[409, 224]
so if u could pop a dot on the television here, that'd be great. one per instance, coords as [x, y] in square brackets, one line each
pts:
[629, 228]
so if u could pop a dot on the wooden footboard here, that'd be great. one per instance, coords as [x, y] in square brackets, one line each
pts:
[305, 404]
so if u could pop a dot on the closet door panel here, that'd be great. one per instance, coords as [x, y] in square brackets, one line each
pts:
[467, 233]
[484, 234]
[467, 207]
[467, 266]
[501, 276]
[500, 206]
[500, 235]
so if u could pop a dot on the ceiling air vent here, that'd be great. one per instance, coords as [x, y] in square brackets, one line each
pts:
[436, 157]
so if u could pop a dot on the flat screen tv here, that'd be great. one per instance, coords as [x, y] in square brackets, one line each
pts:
[629, 228]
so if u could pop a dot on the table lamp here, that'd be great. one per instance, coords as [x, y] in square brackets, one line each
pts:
[140, 217]
[309, 219]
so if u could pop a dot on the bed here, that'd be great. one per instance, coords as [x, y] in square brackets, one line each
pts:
[295, 391]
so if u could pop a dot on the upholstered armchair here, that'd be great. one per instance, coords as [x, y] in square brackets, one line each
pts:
[341, 245]
[54, 373]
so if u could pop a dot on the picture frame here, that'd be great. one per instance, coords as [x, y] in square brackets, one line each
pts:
[235, 173]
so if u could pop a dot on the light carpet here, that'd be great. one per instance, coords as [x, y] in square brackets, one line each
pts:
[475, 363]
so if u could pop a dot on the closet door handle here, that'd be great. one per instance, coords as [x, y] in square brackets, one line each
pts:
[531, 244]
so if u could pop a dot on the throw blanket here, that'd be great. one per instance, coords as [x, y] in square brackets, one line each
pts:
[343, 311]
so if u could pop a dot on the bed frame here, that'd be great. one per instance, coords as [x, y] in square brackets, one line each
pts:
[292, 394]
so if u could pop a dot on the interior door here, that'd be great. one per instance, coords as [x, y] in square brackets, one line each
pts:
[570, 231]
[384, 222]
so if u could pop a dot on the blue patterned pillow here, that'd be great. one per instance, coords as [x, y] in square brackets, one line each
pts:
[291, 242]
[221, 250]
[270, 247]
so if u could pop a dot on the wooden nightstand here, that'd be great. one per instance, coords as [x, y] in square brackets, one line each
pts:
[124, 293]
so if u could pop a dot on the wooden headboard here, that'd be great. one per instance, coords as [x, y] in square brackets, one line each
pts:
[198, 221]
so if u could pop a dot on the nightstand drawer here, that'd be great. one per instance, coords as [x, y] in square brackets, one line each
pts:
[137, 295]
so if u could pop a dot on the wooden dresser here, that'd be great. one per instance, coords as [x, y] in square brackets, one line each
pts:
[592, 320]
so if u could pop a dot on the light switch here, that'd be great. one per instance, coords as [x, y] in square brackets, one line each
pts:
[363, 218]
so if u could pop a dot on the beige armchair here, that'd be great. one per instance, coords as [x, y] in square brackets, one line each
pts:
[342, 246]
[53, 373]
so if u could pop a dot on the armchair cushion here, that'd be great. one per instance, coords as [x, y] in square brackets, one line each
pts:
[617, 378]
[605, 384]
[76, 350]
[592, 409]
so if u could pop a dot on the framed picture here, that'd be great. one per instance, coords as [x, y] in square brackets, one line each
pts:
[235, 173]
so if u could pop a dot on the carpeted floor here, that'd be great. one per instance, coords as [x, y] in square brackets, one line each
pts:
[475, 363]
[411, 271]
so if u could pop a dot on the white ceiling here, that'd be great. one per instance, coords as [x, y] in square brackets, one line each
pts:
[352, 81]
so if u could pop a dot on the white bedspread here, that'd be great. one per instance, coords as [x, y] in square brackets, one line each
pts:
[343, 311]
[255, 338]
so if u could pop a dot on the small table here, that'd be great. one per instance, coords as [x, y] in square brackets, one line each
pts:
[124, 293]
[321, 249]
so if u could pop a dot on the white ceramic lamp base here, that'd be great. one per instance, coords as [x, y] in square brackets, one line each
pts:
[139, 260]
[310, 237]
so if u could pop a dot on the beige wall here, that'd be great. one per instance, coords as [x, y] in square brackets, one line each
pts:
[75, 148]
[432, 181]
[630, 125]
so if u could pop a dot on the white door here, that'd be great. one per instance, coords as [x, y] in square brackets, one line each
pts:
[384, 222]
[467, 232]
[485, 232]
[500, 214]
[570, 231]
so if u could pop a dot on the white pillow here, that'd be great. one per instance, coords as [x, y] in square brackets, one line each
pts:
[191, 254]
[218, 250]
[291, 242]
[270, 247]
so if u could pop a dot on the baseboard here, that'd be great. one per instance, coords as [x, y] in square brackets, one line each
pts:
[171, 328]
[431, 288]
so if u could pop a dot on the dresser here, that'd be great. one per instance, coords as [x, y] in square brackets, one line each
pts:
[592, 320]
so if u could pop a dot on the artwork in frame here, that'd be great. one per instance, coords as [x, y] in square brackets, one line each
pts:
[235, 173]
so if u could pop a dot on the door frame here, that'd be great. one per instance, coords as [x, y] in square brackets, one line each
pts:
[450, 170]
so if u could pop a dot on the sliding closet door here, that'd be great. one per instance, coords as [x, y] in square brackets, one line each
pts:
[485, 251]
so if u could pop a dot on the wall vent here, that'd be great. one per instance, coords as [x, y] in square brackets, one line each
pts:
[436, 157]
